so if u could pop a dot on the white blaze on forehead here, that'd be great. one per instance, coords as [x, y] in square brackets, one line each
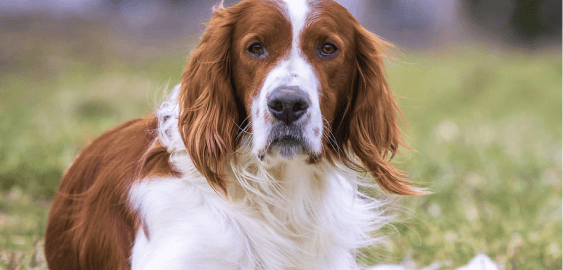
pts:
[297, 11]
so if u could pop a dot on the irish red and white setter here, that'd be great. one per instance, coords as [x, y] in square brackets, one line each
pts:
[251, 162]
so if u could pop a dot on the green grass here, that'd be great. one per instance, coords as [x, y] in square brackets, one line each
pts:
[485, 133]
[486, 139]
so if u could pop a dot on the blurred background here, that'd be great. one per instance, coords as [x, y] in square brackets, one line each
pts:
[479, 83]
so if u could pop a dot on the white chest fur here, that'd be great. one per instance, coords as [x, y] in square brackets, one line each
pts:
[309, 219]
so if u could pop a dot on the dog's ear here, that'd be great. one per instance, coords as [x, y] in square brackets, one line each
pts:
[208, 108]
[373, 134]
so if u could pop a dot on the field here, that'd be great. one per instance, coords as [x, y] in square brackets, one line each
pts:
[484, 128]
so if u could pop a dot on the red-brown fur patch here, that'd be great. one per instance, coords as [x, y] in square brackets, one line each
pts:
[90, 223]
[355, 97]
[222, 78]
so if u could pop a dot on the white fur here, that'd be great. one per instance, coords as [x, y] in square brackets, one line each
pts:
[293, 70]
[280, 213]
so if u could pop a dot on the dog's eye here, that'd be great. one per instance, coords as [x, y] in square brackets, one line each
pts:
[256, 49]
[328, 49]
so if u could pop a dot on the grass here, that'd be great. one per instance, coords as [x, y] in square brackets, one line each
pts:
[484, 128]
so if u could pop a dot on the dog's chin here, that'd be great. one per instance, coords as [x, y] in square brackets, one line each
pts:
[288, 147]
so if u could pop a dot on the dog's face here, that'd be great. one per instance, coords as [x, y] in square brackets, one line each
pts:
[292, 62]
[302, 77]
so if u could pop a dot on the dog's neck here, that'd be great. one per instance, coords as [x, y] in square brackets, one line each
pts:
[289, 193]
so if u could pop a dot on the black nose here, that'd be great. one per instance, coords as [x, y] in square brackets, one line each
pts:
[287, 104]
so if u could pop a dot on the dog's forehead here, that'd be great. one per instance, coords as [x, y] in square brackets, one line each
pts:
[297, 11]
[303, 15]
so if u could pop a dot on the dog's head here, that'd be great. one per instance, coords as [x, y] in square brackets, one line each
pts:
[303, 78]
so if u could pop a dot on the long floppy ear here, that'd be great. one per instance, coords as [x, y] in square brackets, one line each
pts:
[374, 134]
[208, 107]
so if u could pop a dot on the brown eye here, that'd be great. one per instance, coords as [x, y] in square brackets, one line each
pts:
[256, 49]
[328, 49]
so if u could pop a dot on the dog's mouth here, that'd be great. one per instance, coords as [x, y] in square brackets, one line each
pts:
[287, 140]
[287, 146]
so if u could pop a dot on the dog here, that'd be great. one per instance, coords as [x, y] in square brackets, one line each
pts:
[251, 162]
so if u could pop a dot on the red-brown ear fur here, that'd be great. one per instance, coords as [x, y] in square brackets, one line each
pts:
[208, 109]
[374, 135]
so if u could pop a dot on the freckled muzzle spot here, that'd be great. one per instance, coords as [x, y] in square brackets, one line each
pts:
[316, 132]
